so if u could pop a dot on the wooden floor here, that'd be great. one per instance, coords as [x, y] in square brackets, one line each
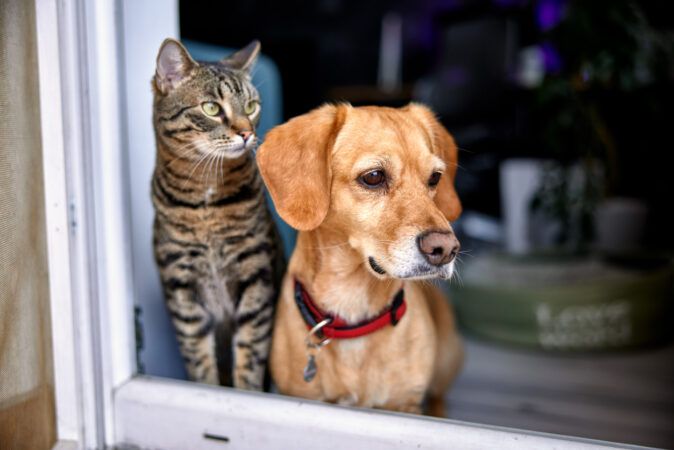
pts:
[621, 397]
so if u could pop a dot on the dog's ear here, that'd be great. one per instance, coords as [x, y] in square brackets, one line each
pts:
[294, 161]
[446, 197]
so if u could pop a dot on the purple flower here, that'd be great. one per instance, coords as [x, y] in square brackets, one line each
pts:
[551, 58]
[549, 13]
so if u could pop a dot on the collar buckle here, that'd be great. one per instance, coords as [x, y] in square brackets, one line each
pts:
[316, 331]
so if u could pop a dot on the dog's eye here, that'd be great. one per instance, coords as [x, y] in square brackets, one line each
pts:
[374, 178]
[434, 179]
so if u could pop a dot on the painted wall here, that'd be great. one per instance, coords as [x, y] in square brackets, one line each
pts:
[146, 24]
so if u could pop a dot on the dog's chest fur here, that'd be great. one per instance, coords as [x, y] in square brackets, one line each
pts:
[375, 370]
[363, 383]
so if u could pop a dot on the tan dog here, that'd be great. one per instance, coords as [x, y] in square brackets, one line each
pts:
[371, 191]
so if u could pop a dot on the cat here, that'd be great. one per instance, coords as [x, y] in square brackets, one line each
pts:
[214, 240]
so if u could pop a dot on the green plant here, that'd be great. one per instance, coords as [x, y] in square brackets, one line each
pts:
[607, 66]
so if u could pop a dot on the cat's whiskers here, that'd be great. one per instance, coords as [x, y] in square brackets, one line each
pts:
[202, 159]
[213, 165]
[182, 152]
[181, 157]
[183, 148]
[218, 166]
[221, 163]
[212, 158]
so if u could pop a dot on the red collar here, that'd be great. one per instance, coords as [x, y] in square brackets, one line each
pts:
[338, 328]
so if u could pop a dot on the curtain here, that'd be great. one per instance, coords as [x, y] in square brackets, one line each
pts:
[27, 418]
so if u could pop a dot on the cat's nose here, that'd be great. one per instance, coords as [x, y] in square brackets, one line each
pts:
[245, 135]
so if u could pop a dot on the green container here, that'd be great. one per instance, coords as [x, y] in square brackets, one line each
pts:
[566, 304]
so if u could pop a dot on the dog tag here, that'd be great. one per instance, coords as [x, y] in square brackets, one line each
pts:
[310, 369]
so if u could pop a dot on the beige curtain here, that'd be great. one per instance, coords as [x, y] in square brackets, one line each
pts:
[26, 382]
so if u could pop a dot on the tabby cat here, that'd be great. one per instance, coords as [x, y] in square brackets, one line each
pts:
[214, 241]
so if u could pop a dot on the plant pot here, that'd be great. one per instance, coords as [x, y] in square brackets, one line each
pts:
[566, 303]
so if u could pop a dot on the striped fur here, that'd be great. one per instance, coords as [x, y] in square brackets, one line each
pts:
[214, 241]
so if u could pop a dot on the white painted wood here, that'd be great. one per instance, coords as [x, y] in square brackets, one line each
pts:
[169, 414]
[90, 283]
[66, 445]
[110, 176]
[76, 147]
[68, 406]
[112, 308]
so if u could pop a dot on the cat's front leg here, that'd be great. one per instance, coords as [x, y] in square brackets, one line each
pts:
[252, 338]
[195, 331]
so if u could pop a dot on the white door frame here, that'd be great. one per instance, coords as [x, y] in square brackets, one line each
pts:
[99, 401]
[86, 202]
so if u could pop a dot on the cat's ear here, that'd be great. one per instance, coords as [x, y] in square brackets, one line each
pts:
[245, 58]
[174, 64]
[294, 162]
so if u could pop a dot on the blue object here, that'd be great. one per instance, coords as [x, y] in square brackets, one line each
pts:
[267, 80]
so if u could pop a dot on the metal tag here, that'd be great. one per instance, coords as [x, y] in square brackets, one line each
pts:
[313, 347]
[310, 369]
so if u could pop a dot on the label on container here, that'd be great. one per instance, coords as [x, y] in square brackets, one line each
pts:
[584, 326]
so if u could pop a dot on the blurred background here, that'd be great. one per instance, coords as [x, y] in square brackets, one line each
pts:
[562, 111]
[574, 82]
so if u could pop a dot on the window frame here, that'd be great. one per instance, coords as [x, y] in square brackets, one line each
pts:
[91, 295]
[100, 402]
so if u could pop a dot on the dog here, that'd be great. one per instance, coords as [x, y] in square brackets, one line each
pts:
[371, 191]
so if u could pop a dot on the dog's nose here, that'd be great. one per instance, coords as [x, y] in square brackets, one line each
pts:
[438, 247]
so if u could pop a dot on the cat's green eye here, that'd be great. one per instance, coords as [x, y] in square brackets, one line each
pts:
[251, 107]
[211, 109]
